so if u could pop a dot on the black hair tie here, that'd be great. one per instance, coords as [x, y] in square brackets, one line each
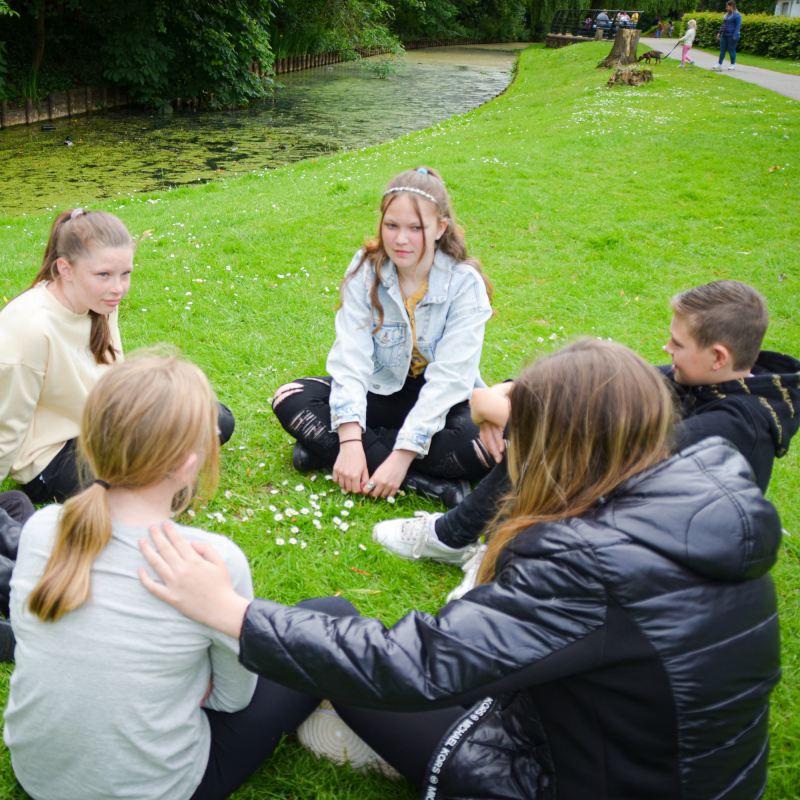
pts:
[103, 484]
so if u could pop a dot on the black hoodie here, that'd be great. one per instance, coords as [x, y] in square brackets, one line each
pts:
[758, 415]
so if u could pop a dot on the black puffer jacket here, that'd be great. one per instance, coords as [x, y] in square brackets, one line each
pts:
[630, 652]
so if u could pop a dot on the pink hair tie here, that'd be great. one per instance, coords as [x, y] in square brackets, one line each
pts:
[76, 213]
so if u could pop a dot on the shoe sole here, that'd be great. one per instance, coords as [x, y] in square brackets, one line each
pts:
[326, 735]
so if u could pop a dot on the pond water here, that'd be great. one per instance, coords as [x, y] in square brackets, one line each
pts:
[317, 111]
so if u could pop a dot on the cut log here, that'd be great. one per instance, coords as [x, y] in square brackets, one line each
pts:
[626, 43]
[630, 76]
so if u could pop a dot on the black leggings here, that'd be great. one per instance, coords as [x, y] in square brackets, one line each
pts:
[303, 408]
[465, 523]
[60, 479]
[243, 740]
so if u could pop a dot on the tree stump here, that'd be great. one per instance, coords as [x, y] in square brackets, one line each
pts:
[626, 43]
[630, 76]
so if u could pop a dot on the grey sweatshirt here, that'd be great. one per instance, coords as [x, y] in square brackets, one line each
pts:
[105, 703]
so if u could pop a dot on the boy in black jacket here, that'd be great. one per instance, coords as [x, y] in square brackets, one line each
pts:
[725, 385]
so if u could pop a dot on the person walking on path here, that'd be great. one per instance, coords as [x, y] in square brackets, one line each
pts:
[687, 40]
[729, 34]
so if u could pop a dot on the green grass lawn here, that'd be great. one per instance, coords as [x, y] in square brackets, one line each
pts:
[588, 207]
[787, 65]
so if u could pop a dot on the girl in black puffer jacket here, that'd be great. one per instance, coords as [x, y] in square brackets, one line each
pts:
[622, 643]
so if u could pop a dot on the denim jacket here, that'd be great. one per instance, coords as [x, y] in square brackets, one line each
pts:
[450, 322]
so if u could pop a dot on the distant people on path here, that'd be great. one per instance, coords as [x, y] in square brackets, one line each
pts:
[624, 636]
[671, 29]
[687, 40]
[603, 20]
[56, 339]
[729, 34]
[658, 27]
[394, 411]
[725, 384]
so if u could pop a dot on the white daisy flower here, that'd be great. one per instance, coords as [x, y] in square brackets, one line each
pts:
[314, 497]
[348, 503]
[299, 487]
[285, 483]
[278, 517]
[303, 545]
[279, 541]
[273, 508]
[317, 524]
[336, 552]
[228, 494]
[336, 521]
[304, 511]
[250, 512]
[362, 546]
[292, 540]
[323, 494]
[294, 529]
[191, 513]
[343, 527]
[344, 513]
[290, 512]
[262, 464]
[390, 499]
[317, 513]
[274, 491]
[329, 477]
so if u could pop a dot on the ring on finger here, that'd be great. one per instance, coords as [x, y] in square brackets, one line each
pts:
[371, 485]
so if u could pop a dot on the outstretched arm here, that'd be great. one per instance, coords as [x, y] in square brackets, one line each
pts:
[496, 633]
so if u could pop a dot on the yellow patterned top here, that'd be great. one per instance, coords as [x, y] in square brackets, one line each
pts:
[418, 363]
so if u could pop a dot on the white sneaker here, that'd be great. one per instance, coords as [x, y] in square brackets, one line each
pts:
[325, 734]
[470, 568]
[732, 66]
[717, 66]
[416, 538]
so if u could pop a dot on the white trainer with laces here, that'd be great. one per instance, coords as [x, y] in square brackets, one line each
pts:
[717, 66]
[732, 66]
[325, 734]
[415, 538]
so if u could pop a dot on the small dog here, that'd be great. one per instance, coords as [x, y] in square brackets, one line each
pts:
[651, 54]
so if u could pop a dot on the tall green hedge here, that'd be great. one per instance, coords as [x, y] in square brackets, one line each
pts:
[761, 35]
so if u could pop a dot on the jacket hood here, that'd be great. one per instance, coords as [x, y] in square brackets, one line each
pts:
[773, 391]
[701, 509]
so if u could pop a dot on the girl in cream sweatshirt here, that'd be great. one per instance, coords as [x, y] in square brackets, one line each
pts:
[56, 339]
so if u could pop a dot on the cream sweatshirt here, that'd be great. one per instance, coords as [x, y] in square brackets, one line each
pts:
[46, 372]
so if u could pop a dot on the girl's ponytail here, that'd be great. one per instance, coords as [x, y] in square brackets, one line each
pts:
[74, 234]
[142, 421]
[84, 529]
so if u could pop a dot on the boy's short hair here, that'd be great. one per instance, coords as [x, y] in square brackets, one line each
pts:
[730, 313]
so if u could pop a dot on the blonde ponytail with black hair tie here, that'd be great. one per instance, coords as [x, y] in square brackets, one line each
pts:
[103, 484]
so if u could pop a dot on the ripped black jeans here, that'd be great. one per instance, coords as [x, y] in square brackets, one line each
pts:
[303, 408]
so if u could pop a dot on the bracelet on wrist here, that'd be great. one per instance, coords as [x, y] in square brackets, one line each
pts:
[345, 441]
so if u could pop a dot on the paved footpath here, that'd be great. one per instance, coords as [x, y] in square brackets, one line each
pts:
[780, 82]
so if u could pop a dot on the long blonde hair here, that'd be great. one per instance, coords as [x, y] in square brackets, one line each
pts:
[76, 234]
[142, 420]
[583, 420]
[452, 241]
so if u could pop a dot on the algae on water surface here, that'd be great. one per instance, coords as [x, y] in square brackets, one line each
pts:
[317, 111]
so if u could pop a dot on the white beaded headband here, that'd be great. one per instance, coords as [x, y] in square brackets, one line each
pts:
[414, 191]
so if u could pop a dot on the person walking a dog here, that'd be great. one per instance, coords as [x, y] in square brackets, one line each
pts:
[687, 40]
[729, 34]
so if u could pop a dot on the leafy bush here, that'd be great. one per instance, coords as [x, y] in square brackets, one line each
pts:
[761, 35]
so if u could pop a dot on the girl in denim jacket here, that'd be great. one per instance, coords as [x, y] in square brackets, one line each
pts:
[409, 332]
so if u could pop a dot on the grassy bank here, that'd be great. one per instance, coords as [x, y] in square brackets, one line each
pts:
[589, 208]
